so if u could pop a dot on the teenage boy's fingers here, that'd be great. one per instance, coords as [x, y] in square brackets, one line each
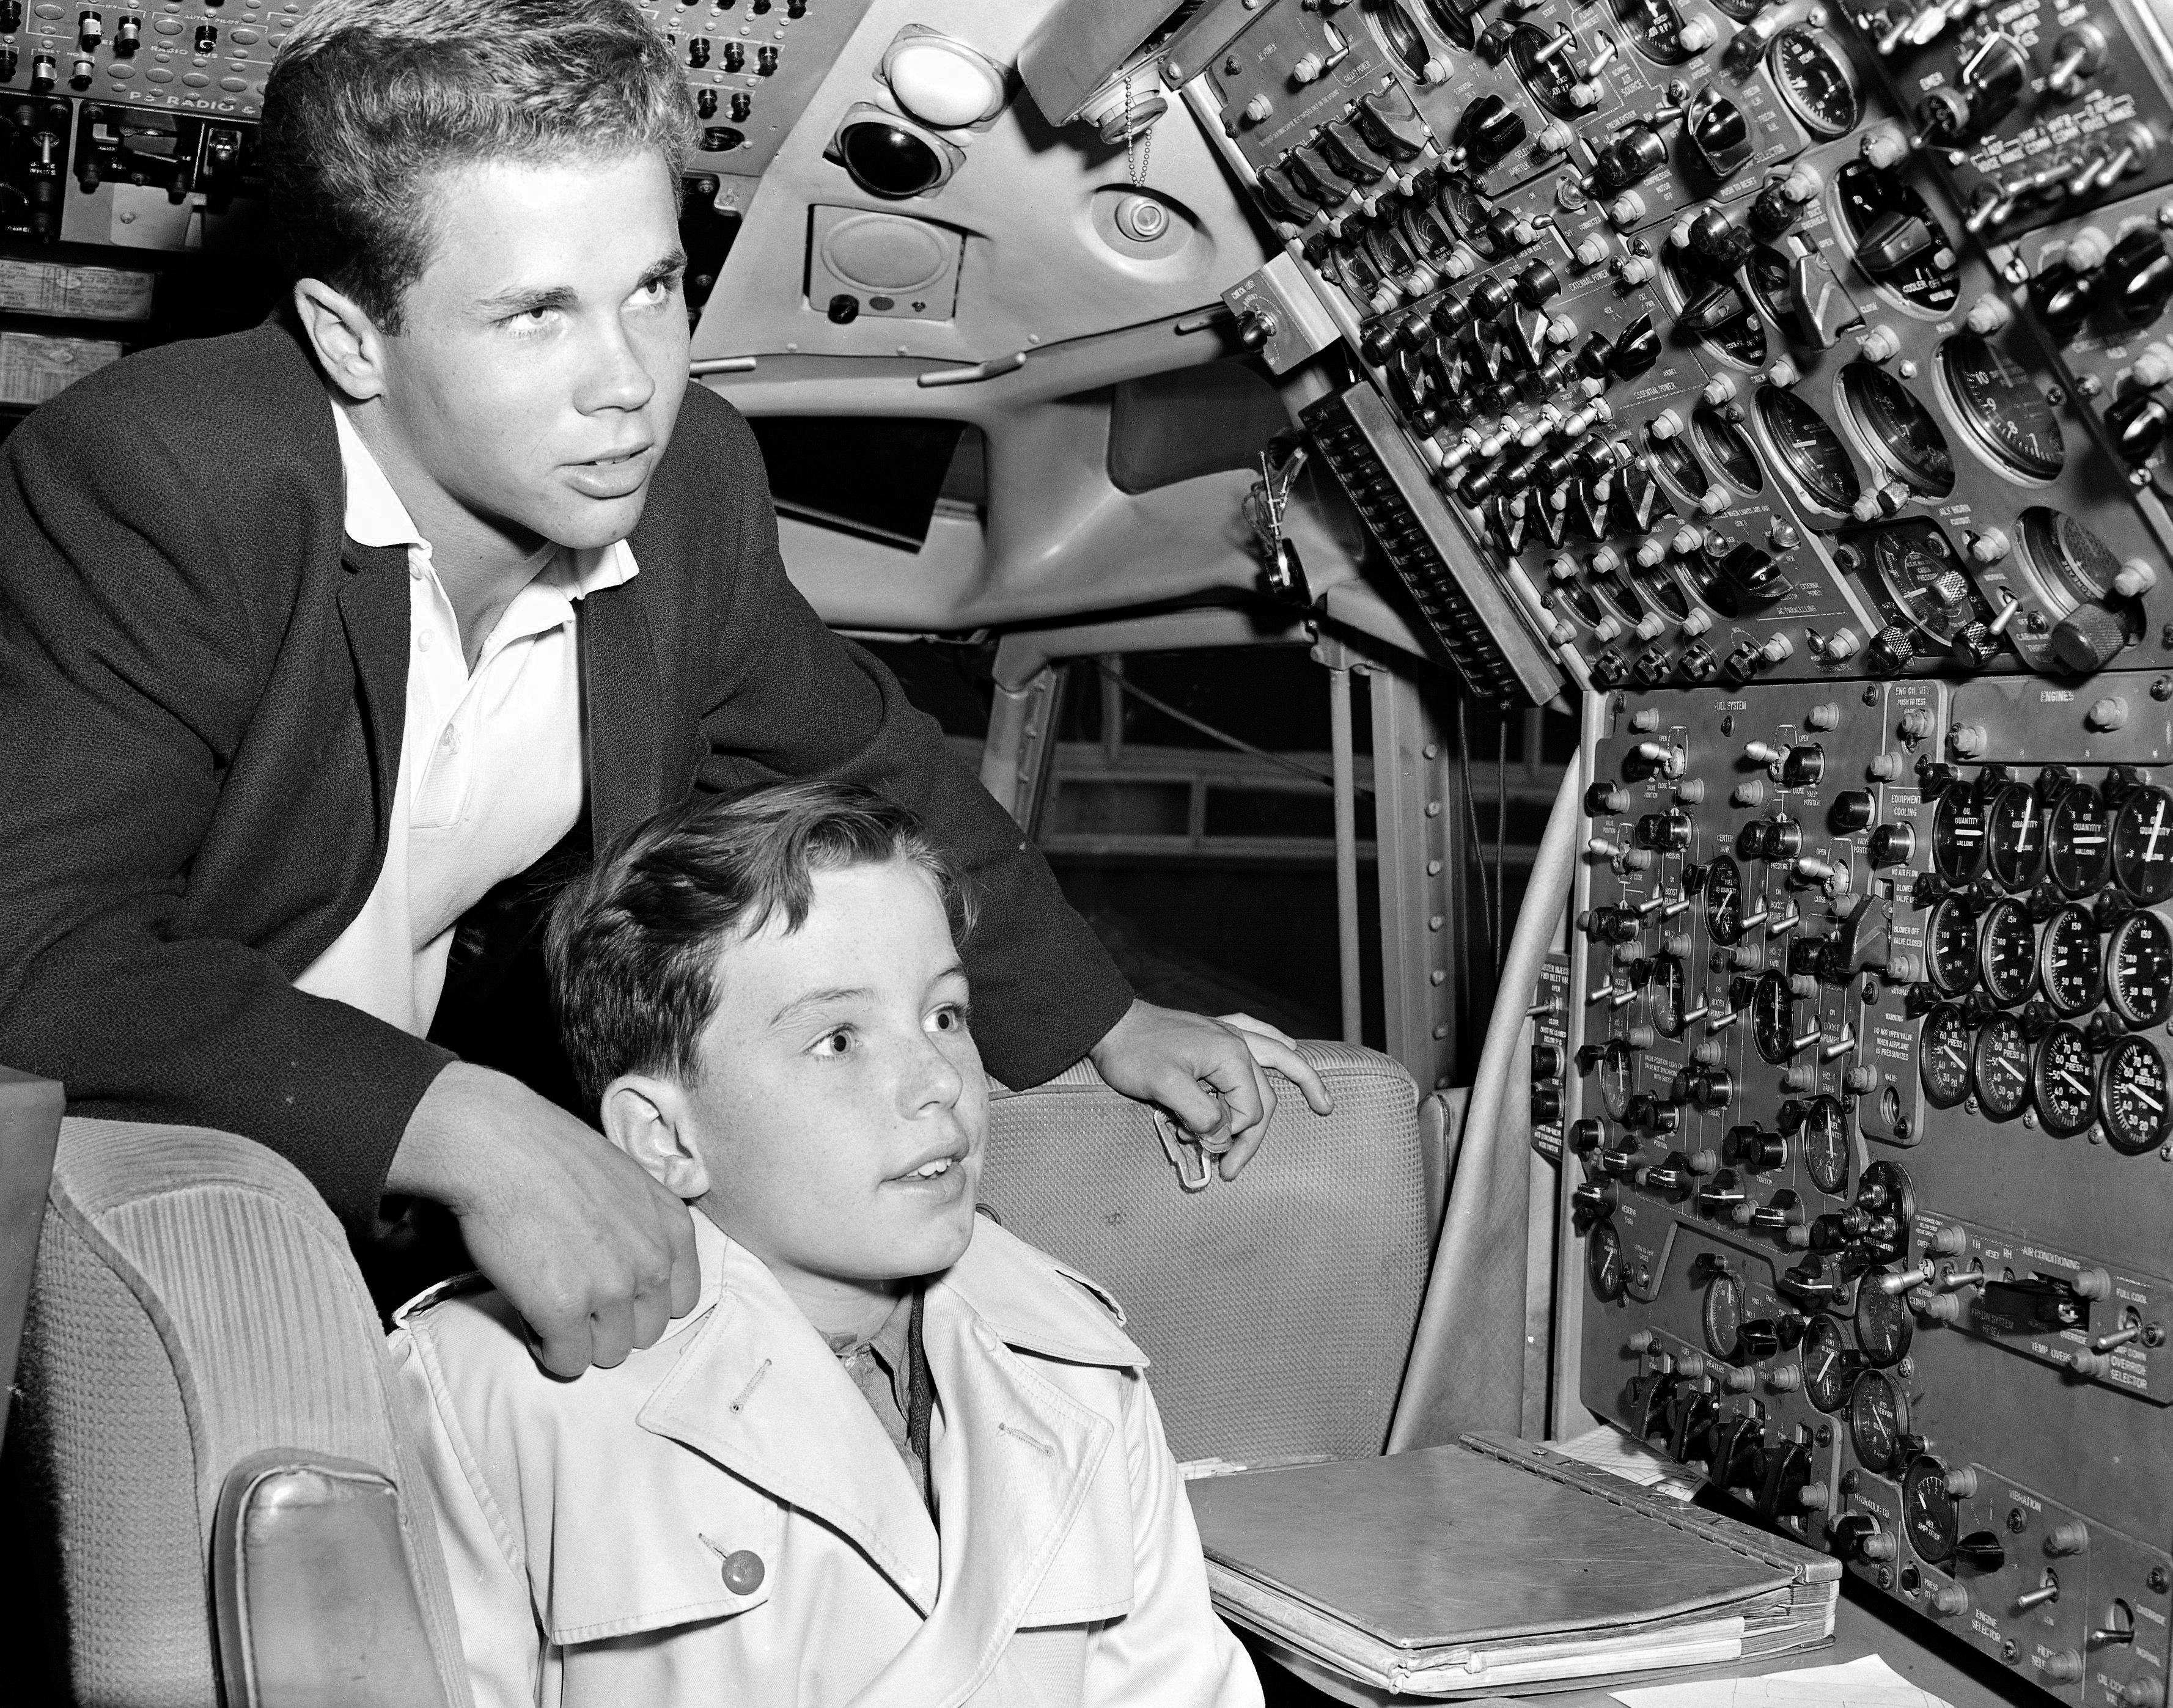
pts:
[610, 1334]
[1273, 1050]
[685, 1284]
[1257, 1028]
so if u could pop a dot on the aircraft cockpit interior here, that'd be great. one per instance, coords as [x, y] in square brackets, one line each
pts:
[1410, 721]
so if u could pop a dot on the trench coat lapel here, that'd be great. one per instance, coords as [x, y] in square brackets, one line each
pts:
[373, 602]
[1015, 1465]
[622, 694]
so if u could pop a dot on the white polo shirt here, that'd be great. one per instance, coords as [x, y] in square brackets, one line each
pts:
[491, 762]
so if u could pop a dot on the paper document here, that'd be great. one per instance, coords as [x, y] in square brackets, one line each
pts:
[1606, 1448]
[1869, 1683]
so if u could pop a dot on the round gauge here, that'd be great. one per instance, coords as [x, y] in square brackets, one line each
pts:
[1816, 82]
[1723, 900]
[1824, 1143]
[2139, 969]
[2061, 1083]
[1864, 194]
[1878, 1419]
[2015, 827]
[1724, 1316]
[2143, 844]
[1958, 840]
[1773, 1017]
[2007, 420]
[1943, 1056]
[1618, 1071]
[1655, 30]
[1884, 1324]
[1811, 450]
[2000, 1067]
[1950, 957]
[1668, 995]
[1401, 37]
[2007, 952]
[1457, 20]
[2079, 841]
[2059, 550]
[1928, 1512]
[1674, 458]
[1729, 447]
[1830, 1365]
[2131, 1095]
[1602, 1262]
[1730, 325]
[1552, 80]
[1916, 567]
[2069, 964]
[1898, 430]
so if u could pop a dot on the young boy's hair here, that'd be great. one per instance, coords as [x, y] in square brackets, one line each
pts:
[368, 98]
[631, 945]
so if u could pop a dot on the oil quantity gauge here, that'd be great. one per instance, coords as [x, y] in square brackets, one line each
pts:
[1878, 1419]
[1899, 430]
[1811, 450]
[2062, 1084]
[1825, 1147]
[1723, 900]
[1816, 82]
[1950, 946]
[1958, 836]
[1943, 1062]
[2143, 845]
[2009, 422]
[2000, 1067]
[2071, 966]
[1830, 1365]
[2131, 1095]
[2079, 841]
[2007, 952]
[1884, 1325]
[2016, 827]
[2139, 970]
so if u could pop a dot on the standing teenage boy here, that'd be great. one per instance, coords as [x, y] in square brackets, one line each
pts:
[314, 637]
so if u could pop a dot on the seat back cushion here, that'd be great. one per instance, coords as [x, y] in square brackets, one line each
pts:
[1277, 1308]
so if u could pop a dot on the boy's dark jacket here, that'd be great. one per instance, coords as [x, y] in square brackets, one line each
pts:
[203, 686]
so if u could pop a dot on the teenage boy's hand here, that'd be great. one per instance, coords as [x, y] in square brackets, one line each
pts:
[596, 1257]
[1205, 1072]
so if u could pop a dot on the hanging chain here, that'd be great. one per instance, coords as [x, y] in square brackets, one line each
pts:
[1136, 153]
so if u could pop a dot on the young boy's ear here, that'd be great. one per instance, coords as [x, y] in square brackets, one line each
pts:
[646, 1117]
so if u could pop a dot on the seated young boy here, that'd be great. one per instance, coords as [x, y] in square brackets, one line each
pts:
[894, 1456]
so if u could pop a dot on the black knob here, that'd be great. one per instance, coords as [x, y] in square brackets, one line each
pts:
[1637, 349]
[1536, 283]
[1943, 117]
[206, 37]
[1603, 800]
[844, 309]
[1981, 1550]
[1852, 810]
[2137, 422]
[1488, 129]
[1850, 1532]
[1450, 315]
[1547, 1105]
[1755, 1149]
[1757, 1340]
[1257, 329]
[1585, 1136]
[1891, 648]
[2059, 298]
[1632, 157]
[1492, 298]
[1893, 845]
[2138, 277]
[1595, 1198]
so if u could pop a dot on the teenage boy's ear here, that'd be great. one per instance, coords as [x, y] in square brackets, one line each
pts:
[647, 1119]
[349, 346]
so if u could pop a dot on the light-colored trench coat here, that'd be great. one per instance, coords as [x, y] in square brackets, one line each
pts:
[603, 1534]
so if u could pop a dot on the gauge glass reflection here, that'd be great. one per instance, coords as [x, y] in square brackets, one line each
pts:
[1812, 451]
[2070, 962]
[2007, 419]
[2131, 1095]
[2000, 1067]
[1942, 1063]
[2139, 970]
[1899, 430]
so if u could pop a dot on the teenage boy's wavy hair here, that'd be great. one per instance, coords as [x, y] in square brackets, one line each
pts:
[369, 99]
[633, 947]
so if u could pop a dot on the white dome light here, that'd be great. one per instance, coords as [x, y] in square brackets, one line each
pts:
[943, 83]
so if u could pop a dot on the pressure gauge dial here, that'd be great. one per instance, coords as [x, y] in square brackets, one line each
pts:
[1884, 1324]
[2139, 969]
[1928, 1511]
[1815, 81]
[2143, 845]
[2079, 841]
[1667, 985]
[1958, 836]
[1723, 900]
[2071, 963]
[1830, 1365]
[2131, 1095]
[1724, 1316]
[2000, 1067]
[2062, 1084]
[1773, 1017]
[1900, 431]
[2007, 952]
[1878, 1419]
[2010, 424]
[2015, 828]
[1824, 1146]
[1655, 30]
[1811, 450]
[1943, 1056]
[1950, 945]
[1603, 1263]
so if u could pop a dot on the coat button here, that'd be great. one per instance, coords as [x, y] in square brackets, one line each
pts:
[742, 1571]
